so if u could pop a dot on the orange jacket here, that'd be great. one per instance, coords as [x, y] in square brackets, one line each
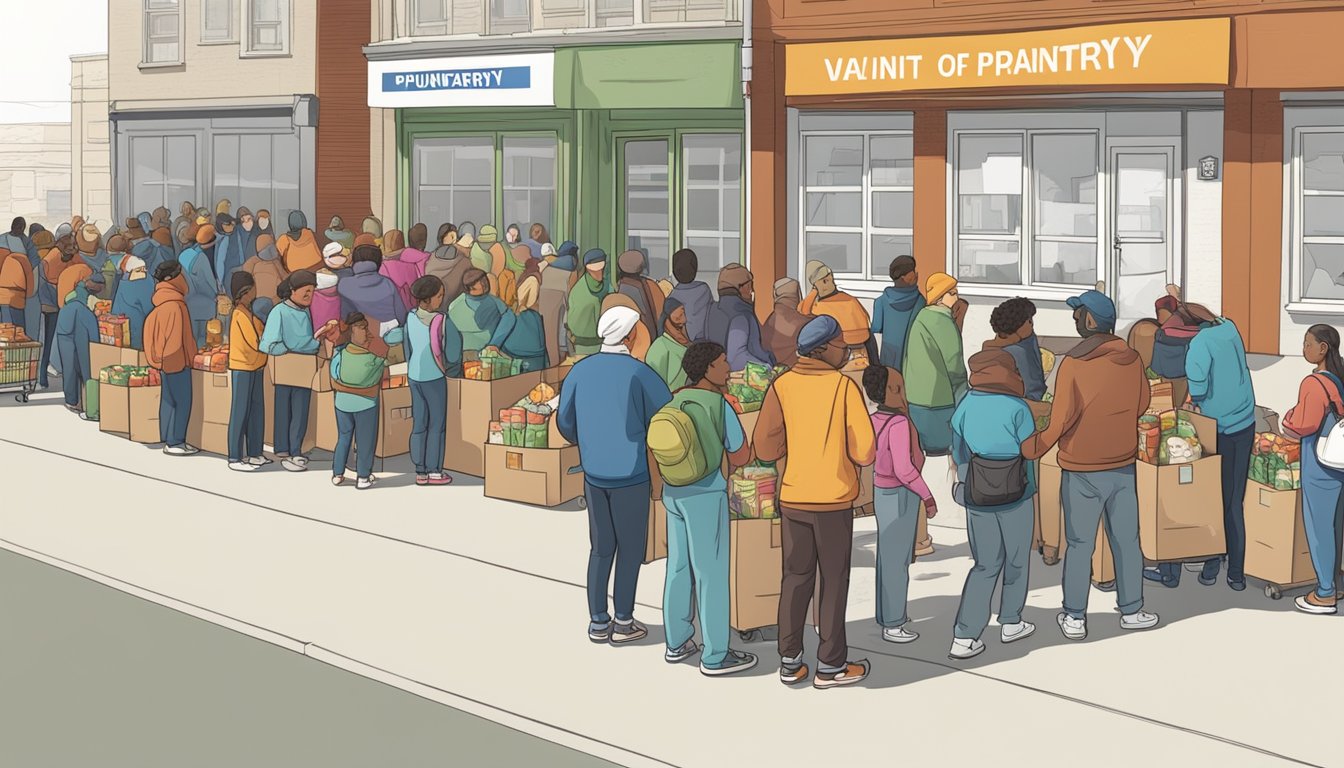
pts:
[301, 253]
[169, 345]
[16, 279]
[74, 273]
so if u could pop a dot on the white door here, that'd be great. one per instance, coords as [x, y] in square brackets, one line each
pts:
[1144, 226]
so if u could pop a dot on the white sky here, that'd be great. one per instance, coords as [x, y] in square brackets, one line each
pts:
[40, 38]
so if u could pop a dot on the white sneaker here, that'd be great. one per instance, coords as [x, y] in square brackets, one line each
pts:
[177, 450]
[190, 449]
[1011, 633]
[1073, 629]
[338, 480]
[300, 460]
[242, 466]
[1140, 620]
[365, 483]
[965, 649]
[294, 466]
[899, 635]
[259, 461]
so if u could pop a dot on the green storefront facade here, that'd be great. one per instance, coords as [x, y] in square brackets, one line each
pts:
[643, 148]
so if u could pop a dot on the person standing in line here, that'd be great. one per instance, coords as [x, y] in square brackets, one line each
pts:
[369, 291]
[1101, 391]
[898, 492]
[289, 330]
[247, 370]
[669, 349]
[814, 416]
[16, 287]
[449, 265]
[697, 520]
[170, 347]
[990, 425]
[247, 232]
[337, 233]
[268, 270]
[47, 302]
[554, 296]
[781, 329]
[356, 375]
[1014, 326]
[732, 320]
[935, 373]
[135, 298]
[1220, 388]
[521, 334]
[401, 273]
[229, 256]
[693, 294]
[76, 329]
[606, 404]
[895, 310]
[585, 303]
[645, 293]
[1320, 405]
[414, 253]
[202, 289]
[826, 298]
[433, 353]
[476, 313]
[298, 247]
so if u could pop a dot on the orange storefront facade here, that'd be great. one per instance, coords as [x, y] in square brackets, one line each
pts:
[1037, 148]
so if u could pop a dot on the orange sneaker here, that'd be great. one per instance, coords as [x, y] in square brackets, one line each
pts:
[854, 672]
[1314, 603]
[794, 676]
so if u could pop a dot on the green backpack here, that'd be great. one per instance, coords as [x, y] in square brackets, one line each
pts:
[685, 433]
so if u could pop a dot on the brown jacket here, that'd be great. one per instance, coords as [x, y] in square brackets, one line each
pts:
[780, 332]
[1100, 393]
[267, 269]
[169, 345]
[16, 279]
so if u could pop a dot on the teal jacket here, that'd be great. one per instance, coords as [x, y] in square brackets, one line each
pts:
[1220, 381]
[288, 329]
[935, 373]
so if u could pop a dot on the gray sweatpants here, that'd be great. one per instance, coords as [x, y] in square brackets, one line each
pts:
[1087, 497]
[1000, 543]
[897, 511]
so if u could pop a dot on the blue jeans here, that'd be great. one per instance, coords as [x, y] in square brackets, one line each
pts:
[618, 529]
[1000, 543]
[72, 377]
[9, 314]
[361, 427]
[247, 414]
[174, 407]
[291, 418]
[897, 511]
[1322, 491]
[697, 561]
[48, 341]
[1087, 498]
[198, 331]
[429, 414]
[1236, 452]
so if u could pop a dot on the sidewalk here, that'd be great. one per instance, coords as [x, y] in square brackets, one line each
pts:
[466, 599]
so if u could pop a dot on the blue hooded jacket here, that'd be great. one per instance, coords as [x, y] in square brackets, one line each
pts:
[228, 259]
[135, 300]
[201, 287]
[893, 315]
[76, 328]
[1220, 381]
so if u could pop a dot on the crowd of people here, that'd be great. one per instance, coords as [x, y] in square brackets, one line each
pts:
[651, 355]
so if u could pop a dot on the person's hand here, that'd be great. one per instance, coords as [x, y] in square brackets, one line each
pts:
[491, 349]
[930, 509]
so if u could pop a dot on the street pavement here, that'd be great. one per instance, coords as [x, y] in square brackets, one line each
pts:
[95, 677]
[479, 604]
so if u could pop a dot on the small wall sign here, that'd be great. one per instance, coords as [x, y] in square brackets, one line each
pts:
[1208, 168]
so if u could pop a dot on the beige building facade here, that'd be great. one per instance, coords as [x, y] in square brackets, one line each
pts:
[35, 173]
[90, 138]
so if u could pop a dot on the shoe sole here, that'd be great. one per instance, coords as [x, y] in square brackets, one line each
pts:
[1315, 610]
[1068, 636]
[599, 639]
[1132, 628]
[970, 655]
[670, 659]
[791, 680]
[838, 682]
[624, 639]
[733, 670]
[899, 641]
[1023, 635]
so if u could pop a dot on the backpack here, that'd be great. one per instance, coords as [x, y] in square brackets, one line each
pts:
[1169, 355]
[683, 435]
[1330, 444]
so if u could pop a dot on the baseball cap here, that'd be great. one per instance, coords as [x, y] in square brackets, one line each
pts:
[1099, 306]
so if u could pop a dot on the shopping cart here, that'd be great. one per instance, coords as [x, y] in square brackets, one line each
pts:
[21, 360]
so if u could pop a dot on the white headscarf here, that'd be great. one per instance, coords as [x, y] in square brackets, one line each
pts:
[614, 325]
[334, 256]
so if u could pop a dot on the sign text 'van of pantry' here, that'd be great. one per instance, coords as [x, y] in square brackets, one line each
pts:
[1193, 52]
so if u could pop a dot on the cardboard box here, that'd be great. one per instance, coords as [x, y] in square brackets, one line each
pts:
[863, 505]
[292, 370]
[1050, 521]
[395, 422]
[472, 405]
[655, 547]
[211, 407]
[1181, 505]
[544, 477]
[1276, 538]
[1160, 397]
[131, 412]
[755, 567]
[103, 355]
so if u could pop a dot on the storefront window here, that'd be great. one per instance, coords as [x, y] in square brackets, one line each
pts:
[1064, 177]
[530, 181]
[858, 201]
[712, 189]
[163, 171]
[258, 170]
[648, 210]
[453, 180]
[1320, 236]
[989, 207]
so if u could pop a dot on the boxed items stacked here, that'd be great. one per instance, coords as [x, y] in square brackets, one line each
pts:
[114, 330]
[753, 492]
[395, 420]
[526, 458]
[11, 333]
[491, 366]
[105, 355]
[1276, 461]
[473, 404]
[211, 404]
[1050, 522]
[1276, 537]
[1180, 487]
[214, 333]
[20, 361]
[528, 422]
[1160, 394]
[212, 359]
[128, 402]
[755, 568]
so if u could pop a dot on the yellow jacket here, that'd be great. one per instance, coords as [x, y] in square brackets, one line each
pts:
[245, 342]
[815, 419]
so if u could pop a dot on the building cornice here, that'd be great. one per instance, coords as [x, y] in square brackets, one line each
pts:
[549, 40]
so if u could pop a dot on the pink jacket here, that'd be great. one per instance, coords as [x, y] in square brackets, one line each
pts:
[899, 458]
[402, 274]
[326, 306]
[416, 257]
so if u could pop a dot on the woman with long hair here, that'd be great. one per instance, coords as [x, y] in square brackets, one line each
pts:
[520, 333]
[1320, 404]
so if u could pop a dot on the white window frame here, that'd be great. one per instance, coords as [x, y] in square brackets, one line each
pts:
[429, 29]
[505, 187]
[1297, 237]
[230, 13]
[148, 14]
[721, 186]
[1026, 236]
[865, 228]
[285, 24]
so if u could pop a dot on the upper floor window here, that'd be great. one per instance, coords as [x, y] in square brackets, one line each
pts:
[162, 32]
[507, 17]
[218, 21]
[267, 28]
[1318, 222]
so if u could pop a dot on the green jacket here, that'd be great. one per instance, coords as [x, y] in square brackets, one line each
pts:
[935, 373]
[664, 357]
[585, 308]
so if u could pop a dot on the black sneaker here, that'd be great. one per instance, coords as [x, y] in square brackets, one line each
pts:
[629, 632]
[734, 662]
[599, 633]
[1208, 575]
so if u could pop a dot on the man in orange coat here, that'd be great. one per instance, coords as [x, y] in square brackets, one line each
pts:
[16, 285]
[298, 247]
[827, 299]
[170, 347]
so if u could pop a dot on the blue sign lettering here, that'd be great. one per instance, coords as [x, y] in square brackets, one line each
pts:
[458, 79]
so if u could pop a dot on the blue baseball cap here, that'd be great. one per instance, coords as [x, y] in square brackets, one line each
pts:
[818, 332]
[1101, 308]
[593, 256]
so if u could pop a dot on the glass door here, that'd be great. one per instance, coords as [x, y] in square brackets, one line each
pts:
[645, 201]
[1143, 227]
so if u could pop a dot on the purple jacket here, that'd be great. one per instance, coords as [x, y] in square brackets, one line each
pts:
[373, 294]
